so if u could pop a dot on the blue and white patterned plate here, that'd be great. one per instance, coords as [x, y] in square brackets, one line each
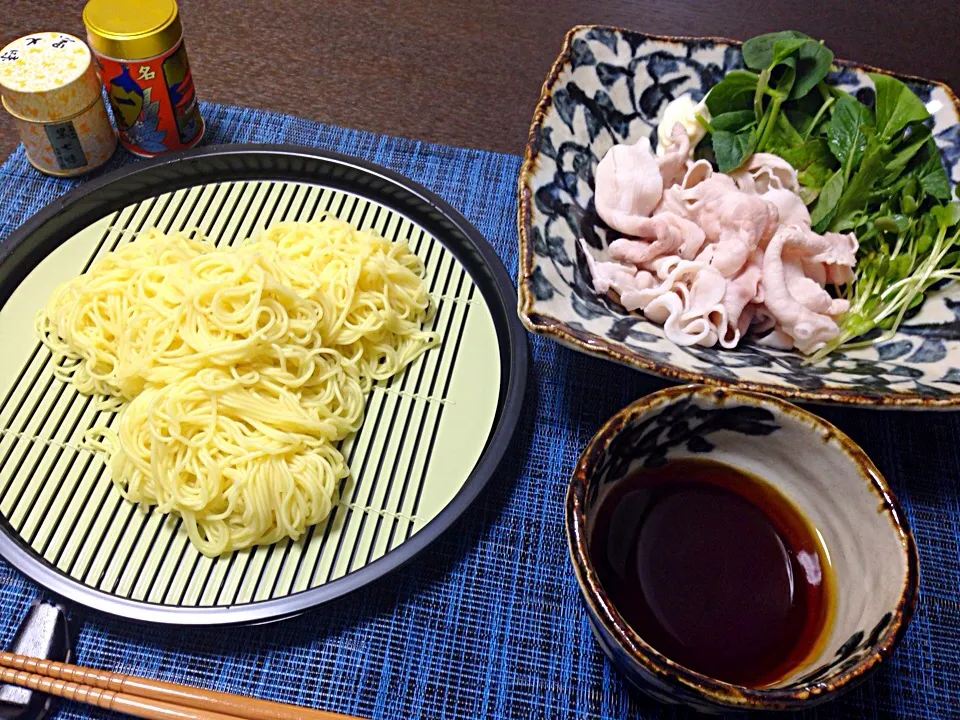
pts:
[609, 86]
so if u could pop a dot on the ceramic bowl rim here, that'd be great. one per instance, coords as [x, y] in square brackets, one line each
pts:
[598, 346]
[717, 692]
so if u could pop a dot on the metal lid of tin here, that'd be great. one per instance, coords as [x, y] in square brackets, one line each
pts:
[132, 29]
[47, 76]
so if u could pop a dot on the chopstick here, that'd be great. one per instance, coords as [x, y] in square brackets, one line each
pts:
[145, 698]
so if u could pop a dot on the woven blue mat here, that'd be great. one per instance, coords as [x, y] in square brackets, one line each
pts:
[488, 622]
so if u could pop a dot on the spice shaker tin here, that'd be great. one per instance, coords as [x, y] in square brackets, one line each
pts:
[49, 85]
[138, 45]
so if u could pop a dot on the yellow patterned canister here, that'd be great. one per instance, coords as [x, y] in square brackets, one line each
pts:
[49, 84]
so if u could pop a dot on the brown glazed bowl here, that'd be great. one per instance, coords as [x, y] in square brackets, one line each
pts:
[824, 473]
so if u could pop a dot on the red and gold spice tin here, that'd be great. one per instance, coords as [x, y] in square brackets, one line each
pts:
[143, 63]
[50, 87]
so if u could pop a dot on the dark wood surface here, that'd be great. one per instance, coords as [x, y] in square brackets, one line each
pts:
[469, 73]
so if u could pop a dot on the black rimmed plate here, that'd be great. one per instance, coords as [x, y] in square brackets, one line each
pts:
[431, 438]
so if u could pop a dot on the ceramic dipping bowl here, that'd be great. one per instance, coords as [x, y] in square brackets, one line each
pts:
[822, 472]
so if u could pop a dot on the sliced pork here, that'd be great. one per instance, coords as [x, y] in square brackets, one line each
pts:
[713, 257]
[628, 186]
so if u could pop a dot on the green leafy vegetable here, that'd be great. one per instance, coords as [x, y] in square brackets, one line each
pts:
[732, 121]
[828, 200]
[813, 64]
[809, 152]
[857, 193]
[734, 92]
[947, 215]
[731, 149]
[892, 280]
[817, 121]
[811, 108]
[800, 120]
[783, 136]
[918, 135]
[704, 150]
[846, 135]
[790, 65]
[763, 51]
[931, 175]
[895, 105]
[814, 164]
[783, 76]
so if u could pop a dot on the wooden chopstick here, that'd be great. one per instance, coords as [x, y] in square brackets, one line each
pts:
[145, 698]
[107, 699]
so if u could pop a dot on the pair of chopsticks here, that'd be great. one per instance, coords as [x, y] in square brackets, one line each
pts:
[145, 698]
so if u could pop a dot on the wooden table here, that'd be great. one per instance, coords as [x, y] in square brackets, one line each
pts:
[469, 73]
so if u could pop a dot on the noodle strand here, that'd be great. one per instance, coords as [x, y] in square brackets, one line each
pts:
[237, 370]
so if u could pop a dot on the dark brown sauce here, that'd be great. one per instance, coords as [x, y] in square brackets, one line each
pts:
[714, 568]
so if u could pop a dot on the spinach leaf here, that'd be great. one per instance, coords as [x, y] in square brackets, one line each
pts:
[815, 175]
[799, 119]
[704, 150]
[845, 133]
[809, 104]
[733, 121]
[808, 193]
[783, 136]
[814, 164]
[809, 113]
[812, 160]
[783, 76]
[896, 105]
[813, 178]
[827, 201]
[857, 193]
[930, 173]
[813, 64]
[761, 51]
[916, 137]
[731, 149]
[784, 48]
[791, 64]
[734, 92]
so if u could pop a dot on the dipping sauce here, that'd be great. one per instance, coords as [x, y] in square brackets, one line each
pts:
[714, 568]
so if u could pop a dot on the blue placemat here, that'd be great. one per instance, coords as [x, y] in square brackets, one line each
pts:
[488, 623]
